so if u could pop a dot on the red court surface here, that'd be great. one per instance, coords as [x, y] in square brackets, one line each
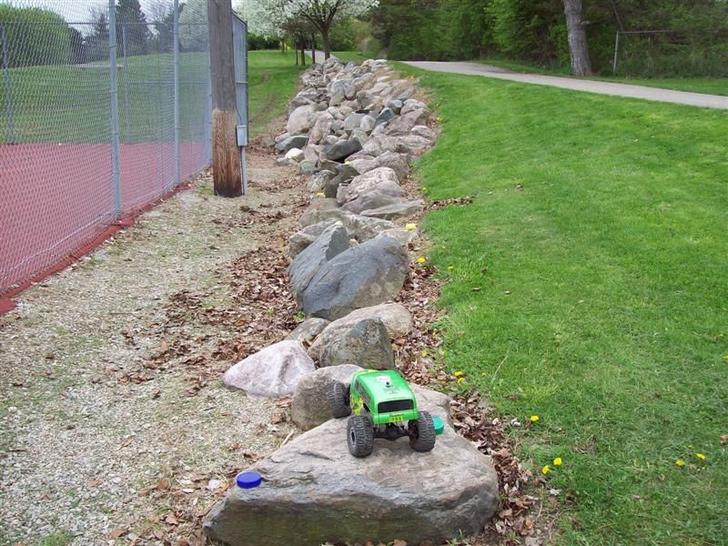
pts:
[57, 200]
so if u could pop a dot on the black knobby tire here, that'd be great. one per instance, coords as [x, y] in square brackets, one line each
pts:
[422, 433]
[338, 396]
[360, 435]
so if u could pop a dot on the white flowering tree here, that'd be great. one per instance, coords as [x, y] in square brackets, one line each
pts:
[271, 17]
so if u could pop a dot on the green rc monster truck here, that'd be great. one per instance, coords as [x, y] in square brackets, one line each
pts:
[383, 406]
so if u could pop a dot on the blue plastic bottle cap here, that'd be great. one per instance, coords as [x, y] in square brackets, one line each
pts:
[439, 425]
[248, 480]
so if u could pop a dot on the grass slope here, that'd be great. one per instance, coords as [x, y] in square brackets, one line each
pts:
[273, 80]
[587, 285]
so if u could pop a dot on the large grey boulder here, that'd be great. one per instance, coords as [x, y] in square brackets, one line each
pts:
[316, 211]
[301, 239]
[395, 317]
[404, 123]
[366, 275]
[371, 200]
[310, 405]
[381, 179]
[424, 131]
[362, 165]
[404, 236]
[295, 141]
[397, 162]
[301, 119]
[333, 241]
[411, 105]
[341, 90]
[342, 149]
[272, 372]
[315, 492]
[363, 228]
[321, 128]
[397, 320]
[345, 173]
[396, 210]
[353, 121]
[364, 343]
[306, 332]
[318, 181]
[413, 145]
[385, 116]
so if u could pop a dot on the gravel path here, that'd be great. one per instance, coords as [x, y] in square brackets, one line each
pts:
[114, 425]
[576, 84]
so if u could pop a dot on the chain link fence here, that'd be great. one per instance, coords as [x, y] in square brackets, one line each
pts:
[104, 108]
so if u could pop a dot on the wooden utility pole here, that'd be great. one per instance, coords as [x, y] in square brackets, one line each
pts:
[226, 172]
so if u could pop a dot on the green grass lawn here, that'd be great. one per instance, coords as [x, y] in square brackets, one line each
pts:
[355, 56]
[711, 86]
[588, 284]
[71, 103]
[273, 80]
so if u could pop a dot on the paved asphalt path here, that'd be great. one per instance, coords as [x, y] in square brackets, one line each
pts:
[576, 84]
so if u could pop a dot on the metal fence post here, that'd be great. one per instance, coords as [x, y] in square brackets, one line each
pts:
[208, 117]
[175, 50]
[616, 53]
[126, 83]
[115, 170]
[8, 87]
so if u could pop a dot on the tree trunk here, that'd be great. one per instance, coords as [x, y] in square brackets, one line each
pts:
[303, 52]
[326, 43]
[578, 47]
[313, 48]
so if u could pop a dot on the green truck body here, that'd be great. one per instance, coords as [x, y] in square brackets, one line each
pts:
[384, 395]
[381, 404]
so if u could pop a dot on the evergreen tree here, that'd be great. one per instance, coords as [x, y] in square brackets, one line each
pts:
[129, 16]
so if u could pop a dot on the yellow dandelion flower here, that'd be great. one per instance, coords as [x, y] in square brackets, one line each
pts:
[545, 470]
[460, 380]
[410, 227]
[421, 260]
[680, 463]
[458, 373]
[450, 267]
[424, 352]
[557, 461]
[535, 418]
[700, 456]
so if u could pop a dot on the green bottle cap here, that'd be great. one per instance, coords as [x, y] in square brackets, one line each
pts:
[439, 425]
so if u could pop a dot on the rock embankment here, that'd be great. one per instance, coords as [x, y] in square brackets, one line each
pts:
[354, 130]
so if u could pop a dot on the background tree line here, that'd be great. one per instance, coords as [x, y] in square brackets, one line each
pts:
[535, 31]
[37, 36]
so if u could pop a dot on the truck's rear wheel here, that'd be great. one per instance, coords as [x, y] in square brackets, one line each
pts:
[422, 433]
[338, 396]
[360, 435]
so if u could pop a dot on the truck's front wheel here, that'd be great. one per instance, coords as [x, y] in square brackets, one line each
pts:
[360, 435]
[422, 433]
